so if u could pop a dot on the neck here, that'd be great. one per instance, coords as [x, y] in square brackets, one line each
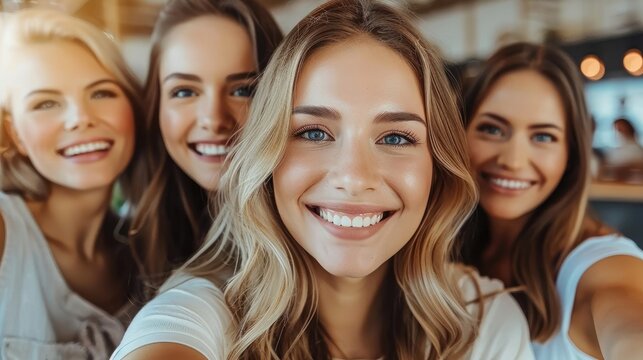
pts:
[350, 310]
[72, 219]
[496, 257]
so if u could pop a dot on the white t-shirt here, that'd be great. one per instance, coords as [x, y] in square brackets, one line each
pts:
[589, 252]
[195, 314]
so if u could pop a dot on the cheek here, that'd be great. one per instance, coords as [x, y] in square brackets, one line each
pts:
[553, 164]
[175, 122]
[240, 113]
[296, 173]
[36, 137]
[411, 179]
[479, 152]
[122, 119]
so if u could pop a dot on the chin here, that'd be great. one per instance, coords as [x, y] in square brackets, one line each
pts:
[348, 269]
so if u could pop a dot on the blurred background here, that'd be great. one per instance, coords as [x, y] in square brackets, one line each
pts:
[604, 38]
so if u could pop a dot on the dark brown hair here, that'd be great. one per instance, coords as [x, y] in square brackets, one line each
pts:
[560, 223]
[171, 213]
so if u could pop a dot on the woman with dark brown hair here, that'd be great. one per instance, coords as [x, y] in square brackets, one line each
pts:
[207, 56]
[529, 140]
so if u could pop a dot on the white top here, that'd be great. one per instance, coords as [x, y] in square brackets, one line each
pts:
[589, 252]
[40, 317]
[195, 314]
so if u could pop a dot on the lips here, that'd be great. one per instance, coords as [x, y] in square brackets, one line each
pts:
[209, 148]
[353, 218]
[509, 184]
[86, 147]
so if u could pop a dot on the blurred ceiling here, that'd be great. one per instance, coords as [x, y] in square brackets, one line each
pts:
[136, 17]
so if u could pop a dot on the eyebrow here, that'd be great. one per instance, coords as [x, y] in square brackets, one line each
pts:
[399, 116]
[317, 111]
[332, 114]
[58, 92]
[192, 77]
[182, 76]
[506, 122]
[241, 76]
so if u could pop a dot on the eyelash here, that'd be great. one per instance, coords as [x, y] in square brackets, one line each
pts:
[175, 92]
[486, 129]
[249, 87]
[98, 94]
[553, 139]
[301, 131]
[103, 94]
[408, 136]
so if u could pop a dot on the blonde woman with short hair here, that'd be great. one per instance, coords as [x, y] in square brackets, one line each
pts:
[337, 215]
[69, 118]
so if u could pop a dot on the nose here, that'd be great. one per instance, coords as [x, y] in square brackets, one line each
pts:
[514, 155]
[78, 116]
[355, 167]
[214, 114]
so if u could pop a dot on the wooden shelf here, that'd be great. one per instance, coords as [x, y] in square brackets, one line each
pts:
[614, 191]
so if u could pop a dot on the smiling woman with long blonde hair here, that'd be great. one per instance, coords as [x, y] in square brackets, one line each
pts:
[70, 123]
[337, 214]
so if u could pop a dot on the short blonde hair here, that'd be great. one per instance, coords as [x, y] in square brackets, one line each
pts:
[34, 26]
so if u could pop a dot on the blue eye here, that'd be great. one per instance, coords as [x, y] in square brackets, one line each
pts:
[544, 138]
[183, 93]
[314, 135]
[395, 139]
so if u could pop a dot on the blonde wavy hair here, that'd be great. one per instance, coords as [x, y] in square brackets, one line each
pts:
[272, 295]
[33, 26]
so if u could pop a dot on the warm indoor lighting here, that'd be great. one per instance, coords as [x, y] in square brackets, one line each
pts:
[592, 67]
[633, 62]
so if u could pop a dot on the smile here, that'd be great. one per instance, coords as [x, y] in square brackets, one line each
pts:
[509, 184]
[348, 220]
[209, 149]
[85, 148]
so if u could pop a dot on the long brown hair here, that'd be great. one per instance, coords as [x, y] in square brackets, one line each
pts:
[171, 213]
[273, 295]
[561, 222]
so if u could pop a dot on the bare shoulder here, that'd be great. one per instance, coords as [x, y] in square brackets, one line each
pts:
[618, 271]
[165, 351]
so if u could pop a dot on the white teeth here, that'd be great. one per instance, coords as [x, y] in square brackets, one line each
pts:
[212, 149]
[346, 221]
[86, 148]
[510, 184]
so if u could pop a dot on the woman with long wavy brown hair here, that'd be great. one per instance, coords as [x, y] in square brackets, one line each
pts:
[529, 141]
[337, 214]
[206, 58]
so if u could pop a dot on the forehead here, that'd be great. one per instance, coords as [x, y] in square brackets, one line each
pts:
[359, 72]
[207, 42]
[53, 65]
[525, 96]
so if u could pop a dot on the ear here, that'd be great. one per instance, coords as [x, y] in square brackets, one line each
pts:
[13, 135]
